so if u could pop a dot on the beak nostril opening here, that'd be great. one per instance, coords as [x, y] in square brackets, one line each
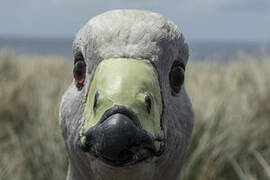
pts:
[96, 99]
[148, 103]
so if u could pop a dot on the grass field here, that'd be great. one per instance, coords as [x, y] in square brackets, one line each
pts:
[231, 137]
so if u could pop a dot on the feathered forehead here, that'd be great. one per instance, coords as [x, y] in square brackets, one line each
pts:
[131, 34]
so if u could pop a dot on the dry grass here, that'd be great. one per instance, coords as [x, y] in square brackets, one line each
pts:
[30, 143]
[232, 128]
[230, 139]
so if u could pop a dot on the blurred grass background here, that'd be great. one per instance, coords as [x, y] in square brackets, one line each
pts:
[230, 138]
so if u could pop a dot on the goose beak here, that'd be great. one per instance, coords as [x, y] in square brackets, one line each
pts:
[123, 111]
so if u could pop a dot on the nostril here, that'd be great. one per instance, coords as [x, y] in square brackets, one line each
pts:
[147, 100]
[96, 99]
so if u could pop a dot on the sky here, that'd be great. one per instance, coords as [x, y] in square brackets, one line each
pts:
[210, 20]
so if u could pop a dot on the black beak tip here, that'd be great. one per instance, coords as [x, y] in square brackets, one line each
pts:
[118, 139]
[115, 136]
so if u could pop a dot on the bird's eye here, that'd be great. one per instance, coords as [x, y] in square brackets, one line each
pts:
[177, 76]
[79, 71]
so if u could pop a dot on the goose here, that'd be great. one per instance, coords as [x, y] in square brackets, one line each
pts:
[127, 115]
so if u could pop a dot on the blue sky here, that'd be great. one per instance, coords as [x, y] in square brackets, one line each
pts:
[228, 20]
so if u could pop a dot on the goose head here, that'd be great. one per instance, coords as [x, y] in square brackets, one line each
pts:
[126, 115]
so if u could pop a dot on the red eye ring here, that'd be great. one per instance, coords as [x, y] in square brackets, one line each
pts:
[177, 76]
[79, 72]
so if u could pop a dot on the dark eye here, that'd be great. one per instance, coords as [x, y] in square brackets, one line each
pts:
[79, 71]
[177, 76]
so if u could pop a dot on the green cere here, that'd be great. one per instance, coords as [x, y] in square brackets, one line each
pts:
[125, 82]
